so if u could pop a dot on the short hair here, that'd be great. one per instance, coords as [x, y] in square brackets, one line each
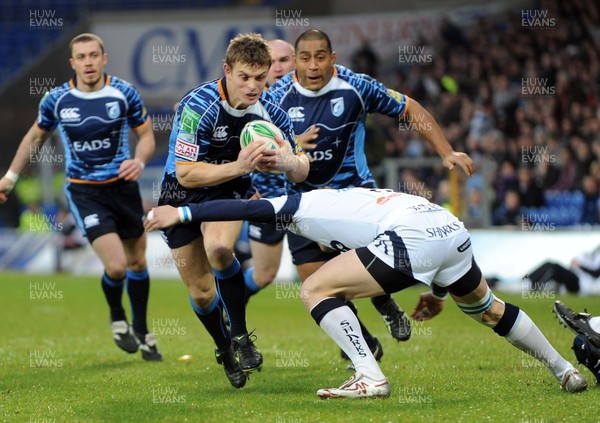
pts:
[285, 43]
[311, 35]
[251, 49]
[86, 37]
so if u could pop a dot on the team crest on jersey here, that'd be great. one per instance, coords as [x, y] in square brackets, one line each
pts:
[220, 133]
[113, 109]
[337, 106]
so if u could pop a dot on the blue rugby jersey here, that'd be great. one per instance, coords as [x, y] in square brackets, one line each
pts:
[339, 109]
[207, 129]
[93, 126]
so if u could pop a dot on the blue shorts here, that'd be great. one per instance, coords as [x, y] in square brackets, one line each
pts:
[173, 194]
[266, 233]
[306, 251]
[108, 208]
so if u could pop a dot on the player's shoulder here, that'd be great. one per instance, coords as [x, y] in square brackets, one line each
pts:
[282, 86]
[209, 91]
[353, 78]
[122, 85]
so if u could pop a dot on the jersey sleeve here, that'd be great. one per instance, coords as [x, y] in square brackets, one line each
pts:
[227, 210]
[46, 119]
[136, 114]
[192, 141]
[380, 99]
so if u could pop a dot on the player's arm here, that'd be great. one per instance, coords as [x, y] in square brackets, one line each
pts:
[31, 142]
[131, 169]
[201, 174]
[429, 129]
[217, 210]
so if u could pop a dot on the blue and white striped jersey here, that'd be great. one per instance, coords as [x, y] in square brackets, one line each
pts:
[93, 126]
[339, 109]
[207, 129]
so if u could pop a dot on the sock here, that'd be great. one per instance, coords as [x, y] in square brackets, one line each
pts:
[251, 286]
[212, 319]
[341, 324]
[380, 300]
[595, 324]
[527, 337]
[113, 290]
[365, 332]
[231, 288]
[138, 288]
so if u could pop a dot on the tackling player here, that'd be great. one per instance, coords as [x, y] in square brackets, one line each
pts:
[396, 240]
[205, 162]
[93, 112]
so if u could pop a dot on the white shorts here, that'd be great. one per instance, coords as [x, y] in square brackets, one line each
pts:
[429, 248]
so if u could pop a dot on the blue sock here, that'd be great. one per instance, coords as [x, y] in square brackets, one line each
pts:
[138, 288]
[212, 319]
[113, 291]
[231, 288]
[251, 286]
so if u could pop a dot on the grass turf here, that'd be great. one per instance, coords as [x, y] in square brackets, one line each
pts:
[59, 363]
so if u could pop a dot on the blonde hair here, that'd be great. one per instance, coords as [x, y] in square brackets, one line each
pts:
[251, 49]
[86, 37]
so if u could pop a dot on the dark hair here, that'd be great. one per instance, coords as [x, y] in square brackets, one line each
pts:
[311, 35]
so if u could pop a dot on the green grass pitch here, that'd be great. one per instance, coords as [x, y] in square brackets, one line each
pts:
[59, 363]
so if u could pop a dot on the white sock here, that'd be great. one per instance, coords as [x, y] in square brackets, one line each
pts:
[343, 327]
[595, 324]
[526, 336]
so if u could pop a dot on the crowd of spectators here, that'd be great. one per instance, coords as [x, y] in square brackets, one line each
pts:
[523, 95]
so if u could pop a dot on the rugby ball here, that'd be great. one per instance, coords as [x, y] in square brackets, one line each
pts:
[261, 130]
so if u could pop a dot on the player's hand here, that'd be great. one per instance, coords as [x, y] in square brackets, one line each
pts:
[427, 308]
[575, 263]
[306, 139]
[161, 217]
[459, 159]
[131, 169]
[250, 156]
[6, 186]
[278, 160]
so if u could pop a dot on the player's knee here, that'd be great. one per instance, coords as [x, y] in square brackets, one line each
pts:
[264, 277]
[312, 289]
[115, 268]
[219, 255]
[203, 297]
[137, 264]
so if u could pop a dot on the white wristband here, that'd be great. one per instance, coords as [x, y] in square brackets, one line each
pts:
[438, 297]
[12, 176]
[141, 163]
[185, 214]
